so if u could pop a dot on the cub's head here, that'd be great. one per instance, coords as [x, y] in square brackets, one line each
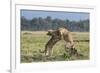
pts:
[54, 33]
[50, 32]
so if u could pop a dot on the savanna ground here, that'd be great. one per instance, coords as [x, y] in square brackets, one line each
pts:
[31, 42]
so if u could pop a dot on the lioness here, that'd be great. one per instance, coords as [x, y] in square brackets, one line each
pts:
[57, 35]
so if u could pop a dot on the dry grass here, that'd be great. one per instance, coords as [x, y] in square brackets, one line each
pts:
[31, 42]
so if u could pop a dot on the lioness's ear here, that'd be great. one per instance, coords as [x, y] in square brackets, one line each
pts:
[50, 32]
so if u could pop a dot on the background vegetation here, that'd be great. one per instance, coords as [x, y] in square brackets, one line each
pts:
[43, 24]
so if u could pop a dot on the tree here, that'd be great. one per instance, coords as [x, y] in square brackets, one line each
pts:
[43, 24]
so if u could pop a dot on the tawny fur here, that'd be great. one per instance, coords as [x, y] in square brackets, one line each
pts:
[57, 35]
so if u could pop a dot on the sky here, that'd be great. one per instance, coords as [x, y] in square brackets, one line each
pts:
[73, 16]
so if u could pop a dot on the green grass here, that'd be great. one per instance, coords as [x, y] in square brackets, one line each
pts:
[31, 42]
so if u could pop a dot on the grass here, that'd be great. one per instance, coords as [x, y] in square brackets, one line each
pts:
[31, 42]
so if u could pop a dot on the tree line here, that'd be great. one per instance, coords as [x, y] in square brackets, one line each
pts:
[44, 24]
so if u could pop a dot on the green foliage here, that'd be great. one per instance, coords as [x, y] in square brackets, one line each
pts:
[43, 24]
